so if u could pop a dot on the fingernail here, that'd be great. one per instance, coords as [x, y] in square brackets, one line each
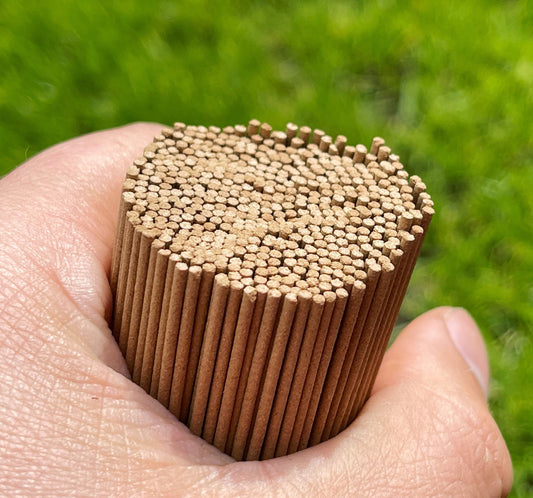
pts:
[467, 338]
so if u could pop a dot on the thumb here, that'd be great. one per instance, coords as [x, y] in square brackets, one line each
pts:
[442, 347]
[434, 381]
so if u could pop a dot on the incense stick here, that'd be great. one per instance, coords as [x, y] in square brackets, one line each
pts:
[215, 317]
[253, 383]
[323, 365]
[135, 291]
[289, 438]
[286, 375]
[257, 275]
[143, 310]
[162, 321]
[335, 367]
[262, 294]
[271, 375]
[185, 327]
[190, 353]
[177, 277]
[147, 360]
[297, 390]
[222, 359]
[119, 326]
[233, 372]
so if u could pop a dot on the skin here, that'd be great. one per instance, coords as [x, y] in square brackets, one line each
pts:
[72, 422]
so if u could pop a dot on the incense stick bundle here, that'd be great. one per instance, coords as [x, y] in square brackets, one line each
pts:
[257, 276]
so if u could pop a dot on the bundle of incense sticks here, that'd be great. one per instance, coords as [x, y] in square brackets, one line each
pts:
[257, 276]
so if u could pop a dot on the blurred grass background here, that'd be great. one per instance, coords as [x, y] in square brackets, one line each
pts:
[448, 84]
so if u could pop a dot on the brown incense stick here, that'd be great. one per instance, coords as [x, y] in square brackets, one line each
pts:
[287, 374]
[302, 368]
[257, 276]
[119, 328]
[262, 294]
[271, 376]
[357, 363]
[323, 365]
[154, 313]
[253, 382]
[127, 200]
[369, 343]
[175, 288]
[290, 435]
[222, 359]
[372, 372]
[135, 292]
[334, 371]
[371, 308]
[233, 372]
[162, 321]
[144, 308]
[188, 356]
[208, 354]
[185, 327]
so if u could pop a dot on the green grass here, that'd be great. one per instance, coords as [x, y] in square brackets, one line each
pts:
[449, 84]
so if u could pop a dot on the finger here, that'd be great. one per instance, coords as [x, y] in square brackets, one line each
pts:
[426, 430]
[439, 365]
[442, 347]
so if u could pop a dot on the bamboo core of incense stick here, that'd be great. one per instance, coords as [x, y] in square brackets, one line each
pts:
[257, 275]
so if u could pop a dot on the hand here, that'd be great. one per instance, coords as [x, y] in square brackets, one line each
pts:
[72, 423]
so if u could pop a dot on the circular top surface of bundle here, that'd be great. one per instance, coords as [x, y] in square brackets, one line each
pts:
[292, 210]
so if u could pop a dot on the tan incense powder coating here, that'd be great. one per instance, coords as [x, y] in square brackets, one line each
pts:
[257, 276]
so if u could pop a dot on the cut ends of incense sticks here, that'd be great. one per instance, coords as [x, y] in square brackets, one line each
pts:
[257, 276]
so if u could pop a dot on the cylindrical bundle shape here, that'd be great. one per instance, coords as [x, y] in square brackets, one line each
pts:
[257, 276]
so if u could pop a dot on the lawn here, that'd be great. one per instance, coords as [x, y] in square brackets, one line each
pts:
[448, 84]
